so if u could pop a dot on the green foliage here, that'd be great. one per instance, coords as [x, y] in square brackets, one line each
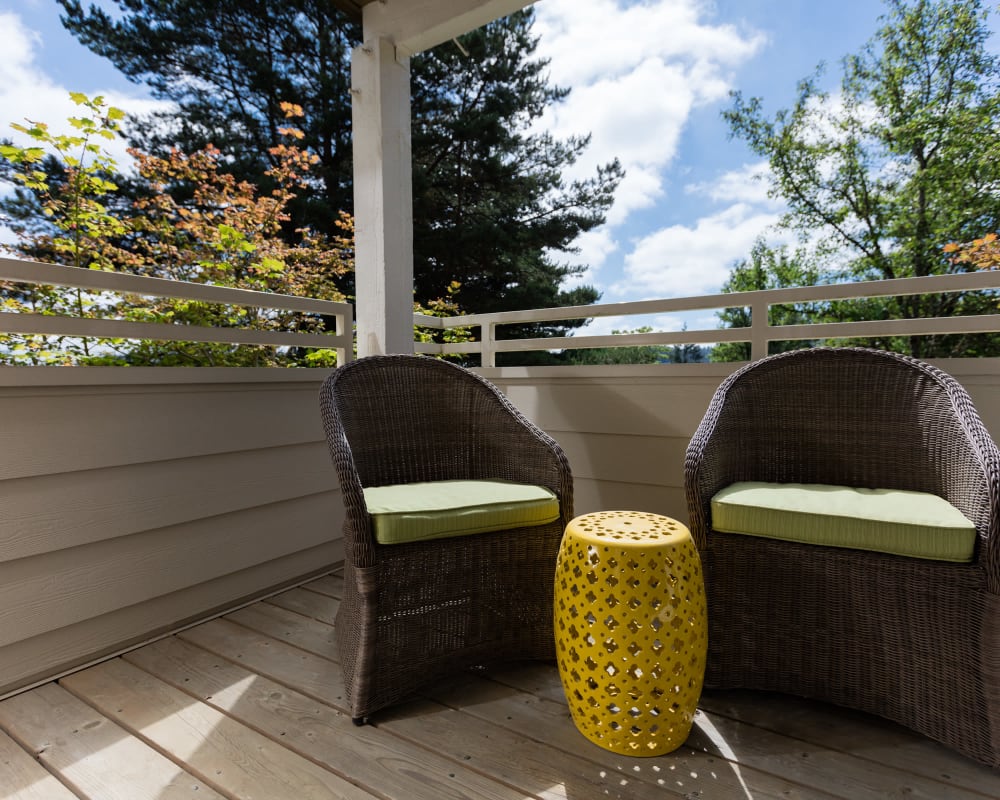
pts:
[636, 354]
[78, 230]
[224, 232]
[442, 307]
[769, 268]
[491, 208]
[83, 222]
[490, 203]
[901, 162]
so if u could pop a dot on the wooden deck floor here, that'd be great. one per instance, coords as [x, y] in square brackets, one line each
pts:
[250, 705]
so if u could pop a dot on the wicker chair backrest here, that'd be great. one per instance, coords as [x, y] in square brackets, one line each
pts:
[412, 418]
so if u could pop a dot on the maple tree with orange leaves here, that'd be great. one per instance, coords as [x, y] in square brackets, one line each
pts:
[983, 253]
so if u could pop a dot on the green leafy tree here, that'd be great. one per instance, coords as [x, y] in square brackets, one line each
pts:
[636, 354]
[901, 162]
[228, 65]
[491, 208]
[490, 203]
[687, 354]
[225, 232]
[192, 221]
[629, 354]
[71, 223]
[769, 268]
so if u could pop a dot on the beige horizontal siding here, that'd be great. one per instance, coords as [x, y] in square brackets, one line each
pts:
[98, 504]
[133, 501]
[85, 428]
[624, 429]
[69, 586]
[30, 661]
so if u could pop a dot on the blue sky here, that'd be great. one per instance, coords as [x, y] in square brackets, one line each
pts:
[649, 81]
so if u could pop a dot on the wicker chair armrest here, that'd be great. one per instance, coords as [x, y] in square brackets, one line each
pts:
[985, 503]
[707, 470]
[518, 450]
[359, 534]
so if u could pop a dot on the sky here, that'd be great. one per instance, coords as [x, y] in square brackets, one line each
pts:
[649, 81]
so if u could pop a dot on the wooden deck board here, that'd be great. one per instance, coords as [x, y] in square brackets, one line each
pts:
[93, 755]
[311, 604]
[861, 735]
[252, 706]
[380, 763]
[546, 722]
[687, 770]
[801, 753]
[236, 760]
[23, 778]
[332, 585]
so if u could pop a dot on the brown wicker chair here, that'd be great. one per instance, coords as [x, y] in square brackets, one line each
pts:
[912, 640]
[413, 613]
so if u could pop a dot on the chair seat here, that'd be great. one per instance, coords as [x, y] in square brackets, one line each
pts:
[414, 512]
[906, 523]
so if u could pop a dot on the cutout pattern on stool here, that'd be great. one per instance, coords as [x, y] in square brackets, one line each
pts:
[630, 627]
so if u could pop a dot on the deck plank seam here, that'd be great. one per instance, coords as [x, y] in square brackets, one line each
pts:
[131, 730]
[36, 757]
[278, 740]
[305, 691]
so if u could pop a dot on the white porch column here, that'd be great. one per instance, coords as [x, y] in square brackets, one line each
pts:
[383, 192]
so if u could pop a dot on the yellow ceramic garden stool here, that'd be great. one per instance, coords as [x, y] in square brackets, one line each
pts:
[630, 628]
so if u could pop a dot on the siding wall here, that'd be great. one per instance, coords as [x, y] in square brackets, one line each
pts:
[135, 500]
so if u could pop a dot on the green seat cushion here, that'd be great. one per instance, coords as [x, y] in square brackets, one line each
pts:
[905, 523]
[413, 512]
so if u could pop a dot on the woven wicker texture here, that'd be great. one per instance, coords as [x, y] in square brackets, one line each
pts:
[630, 630]
[414, 613]
[914, 641]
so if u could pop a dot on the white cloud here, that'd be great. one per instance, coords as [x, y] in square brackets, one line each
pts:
[26, 92]
[594, 248]
[604, 326]
[690, 320]
[749, 184]
[681, 261]
[637, 70]
[613, 36]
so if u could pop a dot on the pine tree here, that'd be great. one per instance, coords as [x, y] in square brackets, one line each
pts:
[490, 204]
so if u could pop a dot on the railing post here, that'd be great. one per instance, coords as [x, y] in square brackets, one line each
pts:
[345, 327]
[487, 334]
[759, 324]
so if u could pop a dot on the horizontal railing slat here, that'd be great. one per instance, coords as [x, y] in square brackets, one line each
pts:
[58, 275]
[962, 282]
[759, 333]
[620, 340]
[119, 329]
[923, 326]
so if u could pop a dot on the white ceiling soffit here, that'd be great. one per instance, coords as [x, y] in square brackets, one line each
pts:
[415, 25]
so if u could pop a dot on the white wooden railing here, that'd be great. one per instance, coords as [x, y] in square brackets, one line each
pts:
[33, 272]
[758, 334]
